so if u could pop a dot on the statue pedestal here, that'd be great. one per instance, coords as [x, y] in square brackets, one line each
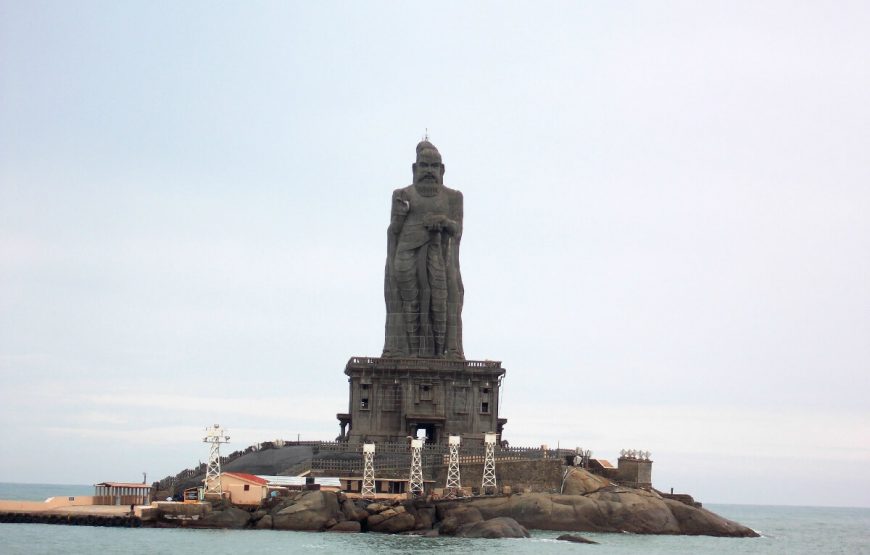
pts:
[393, 398]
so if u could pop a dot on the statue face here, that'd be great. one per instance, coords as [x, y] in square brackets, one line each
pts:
[428, 169]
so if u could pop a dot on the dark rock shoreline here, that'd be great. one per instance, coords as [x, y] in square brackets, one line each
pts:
[593, 505]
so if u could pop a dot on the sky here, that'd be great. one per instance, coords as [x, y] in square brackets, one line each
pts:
[666, 237]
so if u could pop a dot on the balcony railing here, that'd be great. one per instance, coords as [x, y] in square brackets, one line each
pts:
[420, 364]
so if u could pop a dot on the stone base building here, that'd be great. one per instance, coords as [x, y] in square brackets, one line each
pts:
[634, 472]
[393, 398]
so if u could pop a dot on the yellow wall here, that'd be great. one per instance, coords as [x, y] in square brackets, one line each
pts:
[50, 503]
[238, 495]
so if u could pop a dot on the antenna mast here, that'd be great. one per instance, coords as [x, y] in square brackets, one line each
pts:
[416, 479]
[368, 485]
[488, 483]
[454, 483]
[214, 436]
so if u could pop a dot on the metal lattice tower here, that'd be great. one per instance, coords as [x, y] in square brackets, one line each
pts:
[368, 485]
[488, 484]
[214, 436]
[415, 482]
[454, 483]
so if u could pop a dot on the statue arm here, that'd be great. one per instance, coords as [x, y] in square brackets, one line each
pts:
[454, 225]
[452, 222]
[398, 212]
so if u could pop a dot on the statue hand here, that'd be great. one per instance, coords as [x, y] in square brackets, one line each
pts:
[434, 222]
[440, 222]
[450, 226]
[401, 206]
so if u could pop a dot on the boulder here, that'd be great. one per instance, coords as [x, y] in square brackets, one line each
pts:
[307, 510]
[581, 482]
[399, 522]
[575, 538]
[265, 523]
[347, 526]
[430, 533]
[258, 514]
[499, 527]
[422, 511]
[351, 511]
[374, 508]
[231, 517]
[374, 520]
[425, 516]
[695, 521]
[455, 518]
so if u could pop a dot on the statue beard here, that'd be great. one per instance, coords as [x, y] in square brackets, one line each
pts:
[427, 188]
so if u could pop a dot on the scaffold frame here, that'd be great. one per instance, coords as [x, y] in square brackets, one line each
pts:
[415, 480]
[368, 484]
[214, 436]
[488, 484]
[453, 487]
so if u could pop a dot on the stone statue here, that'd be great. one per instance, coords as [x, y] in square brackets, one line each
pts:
[422, 283]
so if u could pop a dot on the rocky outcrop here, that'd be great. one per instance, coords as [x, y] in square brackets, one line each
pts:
[590, 504]
[579, 482]
[424, 513]
[575, 539]
[392, 522]
[352, 511]
[230, 517]
[307, 510]
[467, 522]
[499, 527]
[694, 521]
[609, 509]
[455, 517]
[397, 517]
[347, 526]
[391, 519]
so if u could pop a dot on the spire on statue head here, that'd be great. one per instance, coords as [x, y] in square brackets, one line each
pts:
[425, 145]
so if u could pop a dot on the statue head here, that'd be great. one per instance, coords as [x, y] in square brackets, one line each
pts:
[428, 169]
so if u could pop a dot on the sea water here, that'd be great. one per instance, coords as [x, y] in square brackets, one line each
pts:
[784, 530]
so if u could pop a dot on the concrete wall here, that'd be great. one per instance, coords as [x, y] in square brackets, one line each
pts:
[634, 472]
[176, 509]
[50, 503]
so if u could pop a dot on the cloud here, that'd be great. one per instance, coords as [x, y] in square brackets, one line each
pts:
[143, 437]
[262, 407]
[684, 429]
